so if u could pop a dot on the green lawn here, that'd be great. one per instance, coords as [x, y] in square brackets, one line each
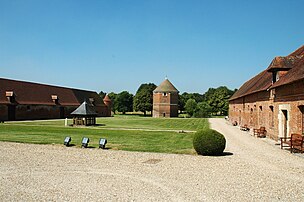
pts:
[130, 133]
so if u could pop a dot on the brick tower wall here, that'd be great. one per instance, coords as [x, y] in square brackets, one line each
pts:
[165, 104]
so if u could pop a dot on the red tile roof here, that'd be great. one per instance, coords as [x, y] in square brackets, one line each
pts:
[297, 71]
[281, 63]
[293, 64]
[34, 93]
[260, 82]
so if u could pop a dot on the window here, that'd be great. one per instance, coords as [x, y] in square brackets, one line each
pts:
[277, 76]
[301, 107]
[271, 117]
[260, 117]
[165, 94]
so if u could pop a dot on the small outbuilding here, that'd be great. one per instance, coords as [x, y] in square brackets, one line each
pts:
[85, 115]
[165, 100]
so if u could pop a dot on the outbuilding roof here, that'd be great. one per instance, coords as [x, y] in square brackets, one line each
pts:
[107, 98]
[42, 94]
[296, 73]
[260, 82]
[166, 86]
[293, 64]
[85, 110]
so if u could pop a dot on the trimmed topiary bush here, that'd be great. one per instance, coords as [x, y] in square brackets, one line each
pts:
[209, 142]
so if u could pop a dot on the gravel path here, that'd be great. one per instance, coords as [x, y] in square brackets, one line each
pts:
[257, 170]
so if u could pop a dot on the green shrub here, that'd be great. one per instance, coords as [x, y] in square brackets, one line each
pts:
[209, 142]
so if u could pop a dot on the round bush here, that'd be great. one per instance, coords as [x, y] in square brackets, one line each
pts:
[209, 142]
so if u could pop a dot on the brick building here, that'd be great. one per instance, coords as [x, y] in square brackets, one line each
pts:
[274, 98]
[20, 100]
[165, 100]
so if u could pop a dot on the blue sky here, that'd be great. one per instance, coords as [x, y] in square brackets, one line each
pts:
[116, 45]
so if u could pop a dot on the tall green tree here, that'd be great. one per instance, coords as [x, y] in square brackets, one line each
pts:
[218, 99]
[143, 99]
[183, 98]
[203, 110]
[124, 102]
[190, 106]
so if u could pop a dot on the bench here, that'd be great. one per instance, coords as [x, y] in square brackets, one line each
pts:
[294, 142]
[244, 128]
[261, 132]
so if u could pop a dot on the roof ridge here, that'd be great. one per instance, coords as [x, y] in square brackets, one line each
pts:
[42, 84]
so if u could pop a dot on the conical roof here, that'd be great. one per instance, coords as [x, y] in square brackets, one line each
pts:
[85, 110]
[166, 86]
[107, 98]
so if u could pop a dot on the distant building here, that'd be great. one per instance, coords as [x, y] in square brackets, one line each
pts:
[20, 100]
[165, 100]
[274, 98]
[85, 114]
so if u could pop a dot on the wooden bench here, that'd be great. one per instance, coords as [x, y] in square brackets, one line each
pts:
[294, 142]
[261, 132]
[244, 128]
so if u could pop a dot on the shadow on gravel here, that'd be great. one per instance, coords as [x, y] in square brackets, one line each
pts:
[71, 145]
[224, 154]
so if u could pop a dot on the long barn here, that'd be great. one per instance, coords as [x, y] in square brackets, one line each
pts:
[274, 98]
[20, 100]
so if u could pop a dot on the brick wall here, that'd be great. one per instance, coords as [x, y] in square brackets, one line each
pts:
[165, 105]
[33, 112]
[261, 109]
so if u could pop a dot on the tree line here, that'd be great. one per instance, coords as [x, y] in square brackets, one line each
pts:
[212, 102]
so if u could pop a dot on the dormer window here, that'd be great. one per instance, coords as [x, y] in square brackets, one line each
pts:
[10, 95]
[92, 100]
[277, 76]
[55, 99]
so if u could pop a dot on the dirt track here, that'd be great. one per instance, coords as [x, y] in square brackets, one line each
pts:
[257, 170]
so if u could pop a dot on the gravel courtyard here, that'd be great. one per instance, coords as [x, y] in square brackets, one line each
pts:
[253, 170]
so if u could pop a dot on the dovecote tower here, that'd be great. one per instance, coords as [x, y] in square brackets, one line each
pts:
[165, 100]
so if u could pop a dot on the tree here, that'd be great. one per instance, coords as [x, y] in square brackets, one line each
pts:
[124, 102]
[181, 102]
[203, 110]
[218, 99]
[102, 94]
[191, 106]
[186, 96]
[143, 99]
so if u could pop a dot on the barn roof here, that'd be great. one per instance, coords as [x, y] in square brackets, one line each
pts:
[166, 86]
[296, 73]
[260, 82]
[293, 64]
[41, 94]
[85, 110]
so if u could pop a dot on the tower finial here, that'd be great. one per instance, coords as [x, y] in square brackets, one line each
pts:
[166, 77]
